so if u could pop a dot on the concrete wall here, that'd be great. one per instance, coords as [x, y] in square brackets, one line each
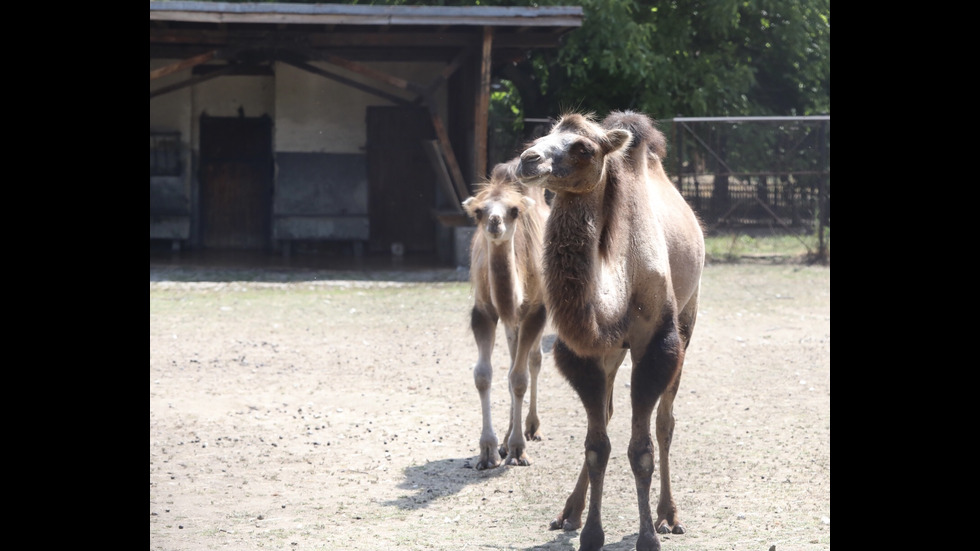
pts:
[319, 139]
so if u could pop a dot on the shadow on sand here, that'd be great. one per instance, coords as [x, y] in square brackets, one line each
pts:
[440, 478]
[435, 479]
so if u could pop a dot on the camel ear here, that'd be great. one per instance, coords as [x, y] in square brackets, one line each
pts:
[467, 205]
[618, 139]
[528, 202]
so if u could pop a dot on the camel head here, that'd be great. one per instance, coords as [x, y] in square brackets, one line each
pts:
[571, 158]
[496, 208]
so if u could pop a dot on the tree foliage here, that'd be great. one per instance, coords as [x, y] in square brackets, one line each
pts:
[680, 58]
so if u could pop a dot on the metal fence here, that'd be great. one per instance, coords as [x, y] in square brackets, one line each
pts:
[753, 172]
[738, 173]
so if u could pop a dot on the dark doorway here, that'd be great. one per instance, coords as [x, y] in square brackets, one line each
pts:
[236, 183]
[401, 182]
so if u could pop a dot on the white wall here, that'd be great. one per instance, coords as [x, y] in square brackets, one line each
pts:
[317, 114]
[311, 113]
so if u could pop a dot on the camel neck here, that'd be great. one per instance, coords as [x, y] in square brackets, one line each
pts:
[575, 265]
[506, 291]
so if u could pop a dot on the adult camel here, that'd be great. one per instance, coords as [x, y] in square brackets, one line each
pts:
[623, 256]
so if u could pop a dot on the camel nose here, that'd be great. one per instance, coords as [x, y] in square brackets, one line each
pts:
[530, 156]
[529, 160]
[493, 224]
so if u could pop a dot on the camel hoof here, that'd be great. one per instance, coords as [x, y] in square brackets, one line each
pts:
[522, 461]
[502, 451]
[564, 524]
[664, 528]
[536, 436]
[484, 465]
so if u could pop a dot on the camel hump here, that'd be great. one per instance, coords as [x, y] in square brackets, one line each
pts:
[643, 130]
[506, 171]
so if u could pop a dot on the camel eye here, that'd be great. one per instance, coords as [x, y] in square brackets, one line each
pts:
[514, 212]
[581, 149]
[478, 213]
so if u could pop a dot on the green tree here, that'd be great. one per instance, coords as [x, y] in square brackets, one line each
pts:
[687, 58]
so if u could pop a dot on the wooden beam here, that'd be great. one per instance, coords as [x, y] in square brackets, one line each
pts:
[434, 152]
[364, 70]
[334, 14]
[503, 38]
[192, 81]
[343, 80]
[181, 65]
[482, 107]
[447, 152]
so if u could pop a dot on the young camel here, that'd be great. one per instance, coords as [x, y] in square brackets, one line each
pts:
[622, 271]
[505, 271]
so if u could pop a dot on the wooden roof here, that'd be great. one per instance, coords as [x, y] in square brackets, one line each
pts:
[180, 30]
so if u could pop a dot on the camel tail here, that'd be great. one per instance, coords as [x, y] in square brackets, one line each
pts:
[645, 134]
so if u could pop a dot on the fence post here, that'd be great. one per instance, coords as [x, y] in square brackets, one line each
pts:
[822, 200]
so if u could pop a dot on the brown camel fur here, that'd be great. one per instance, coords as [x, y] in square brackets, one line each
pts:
[505, 271]
[622, 270]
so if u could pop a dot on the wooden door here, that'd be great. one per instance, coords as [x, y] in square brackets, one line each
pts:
[236, 183]
[401, 182]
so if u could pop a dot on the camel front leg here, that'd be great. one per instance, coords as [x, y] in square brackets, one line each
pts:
[484, 327]
[590, 380]
[571, 516]
[528, 334]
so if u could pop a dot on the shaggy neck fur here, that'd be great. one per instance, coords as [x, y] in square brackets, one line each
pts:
[506, 289]
[585, 263]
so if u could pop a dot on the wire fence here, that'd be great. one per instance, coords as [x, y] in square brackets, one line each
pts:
[743, 172]
[739, 173]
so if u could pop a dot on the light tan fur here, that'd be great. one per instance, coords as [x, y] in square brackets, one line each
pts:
[622, 269]
[505, 272]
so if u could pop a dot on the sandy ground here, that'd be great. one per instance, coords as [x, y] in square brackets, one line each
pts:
[308, 409]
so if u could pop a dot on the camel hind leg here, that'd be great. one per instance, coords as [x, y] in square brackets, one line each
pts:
[528, 335]
[667, 518]
[655, 376]
[484, 327]
[532, 425]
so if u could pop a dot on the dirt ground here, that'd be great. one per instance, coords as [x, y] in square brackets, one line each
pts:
[300, 409]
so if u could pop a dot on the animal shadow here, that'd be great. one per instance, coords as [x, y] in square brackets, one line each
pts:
[439, 478]
[563, 542]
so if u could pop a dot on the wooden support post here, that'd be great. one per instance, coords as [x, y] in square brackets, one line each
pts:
[482, 108]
